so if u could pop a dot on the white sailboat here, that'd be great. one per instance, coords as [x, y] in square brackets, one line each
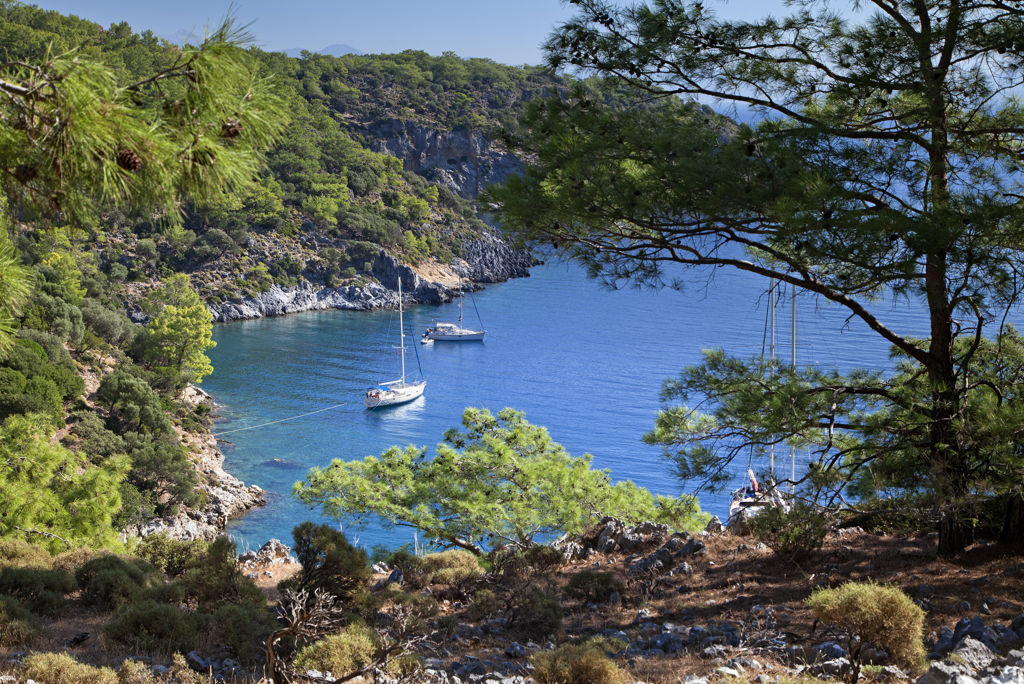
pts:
[451, 332]
[395, 391]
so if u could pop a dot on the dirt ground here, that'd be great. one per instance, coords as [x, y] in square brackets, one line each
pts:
[727, 584]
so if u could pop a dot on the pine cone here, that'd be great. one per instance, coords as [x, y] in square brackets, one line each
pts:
[231, 128]
[128, 160]
[25, 173]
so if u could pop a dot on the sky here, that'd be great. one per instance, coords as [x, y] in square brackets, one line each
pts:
[507, 31]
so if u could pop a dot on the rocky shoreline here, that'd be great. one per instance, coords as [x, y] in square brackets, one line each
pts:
[488, 259]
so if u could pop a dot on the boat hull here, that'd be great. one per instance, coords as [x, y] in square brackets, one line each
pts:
[467, 336]
[393, 395]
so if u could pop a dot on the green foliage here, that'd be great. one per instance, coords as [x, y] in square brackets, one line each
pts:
[485, 602]
[113, 327]
[328, 562]
[577, 662]
[52, 495]
[215, 579]
[60, 668]
[18, 626]
[40, 591]
[169, 555]
[18, 553]
[594, 586]
[856, 116]
[133, 403]
[535, 612]
[151, 627]
[243, 627]
[514, 564]
[340, 654]
[795, 534]
[870, 614]
[111, 581]
[453, 566]
[179, 331]
[502, 479]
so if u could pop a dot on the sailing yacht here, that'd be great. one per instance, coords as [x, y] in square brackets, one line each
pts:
[395, 391]
[451, 332]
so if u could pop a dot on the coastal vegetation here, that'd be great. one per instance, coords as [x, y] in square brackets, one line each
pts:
[883, 164]
[500, 482]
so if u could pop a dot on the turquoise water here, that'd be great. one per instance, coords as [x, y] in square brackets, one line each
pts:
[584, 361]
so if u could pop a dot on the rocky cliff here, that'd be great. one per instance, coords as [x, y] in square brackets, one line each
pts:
[488, 259]
[464, 160]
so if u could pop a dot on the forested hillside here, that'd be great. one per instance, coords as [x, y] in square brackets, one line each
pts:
[96, 397]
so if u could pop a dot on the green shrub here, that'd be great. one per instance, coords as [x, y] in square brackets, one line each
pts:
[19, 553]
[875, 615]
[575, 664]
[41, 591]
[485, 602]
[61, 668]
[243, 627]
[794, 535]
[414, 575]
[171, 556]
[136, 672]
[72, 559]
[17, 624]
[452, 566]
[535, 612]
[527, 564]
[591, 585]
[215, 578]
[112, 581]
[328, 561]
[352, 648]
[151, 627]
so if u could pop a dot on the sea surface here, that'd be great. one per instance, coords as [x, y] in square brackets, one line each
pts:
[585, 361]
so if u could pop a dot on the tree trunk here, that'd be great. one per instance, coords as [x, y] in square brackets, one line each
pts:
[1013, 522]
[955, 534]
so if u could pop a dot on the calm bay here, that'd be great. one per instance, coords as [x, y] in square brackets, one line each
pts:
[584, 361]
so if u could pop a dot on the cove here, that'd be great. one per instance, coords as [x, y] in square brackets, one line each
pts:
[582, 360]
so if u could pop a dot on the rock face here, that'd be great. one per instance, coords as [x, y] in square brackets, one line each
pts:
[489, 259]
[226, 496]
[464, 160]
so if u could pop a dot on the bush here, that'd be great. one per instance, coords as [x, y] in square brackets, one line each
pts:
[21, 554]
[594, 586]
[414, 575]
[536, 613]
[17, 623]
[328, 562]
[136, 672]
[41, 591]
[530, 563]
[485, 602]
[69, 561]
[61, 668]
[577, 663]
[243, 627]
[341, 653]
[449, 567]
[875, 615]
[151, 627]
[795, 534]
[169, 555]
[112, 581]
[215, 578]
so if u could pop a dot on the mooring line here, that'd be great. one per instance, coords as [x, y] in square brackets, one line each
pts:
[282, 420]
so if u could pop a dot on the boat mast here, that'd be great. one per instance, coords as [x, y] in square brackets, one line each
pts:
[401, 328]
[792, 365]
[771, 368]
[460, 304]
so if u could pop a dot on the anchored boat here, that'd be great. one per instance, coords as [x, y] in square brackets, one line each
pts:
[397, 391]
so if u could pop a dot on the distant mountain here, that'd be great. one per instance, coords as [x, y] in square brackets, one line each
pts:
[335, 50]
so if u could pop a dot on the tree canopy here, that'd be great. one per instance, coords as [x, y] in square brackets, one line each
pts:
[501, 481]
[886, 162]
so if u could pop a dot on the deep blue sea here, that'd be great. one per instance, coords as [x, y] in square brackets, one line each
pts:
[584, 361]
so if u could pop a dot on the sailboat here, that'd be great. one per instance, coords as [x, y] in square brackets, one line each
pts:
[395, 391]
[451, 332]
